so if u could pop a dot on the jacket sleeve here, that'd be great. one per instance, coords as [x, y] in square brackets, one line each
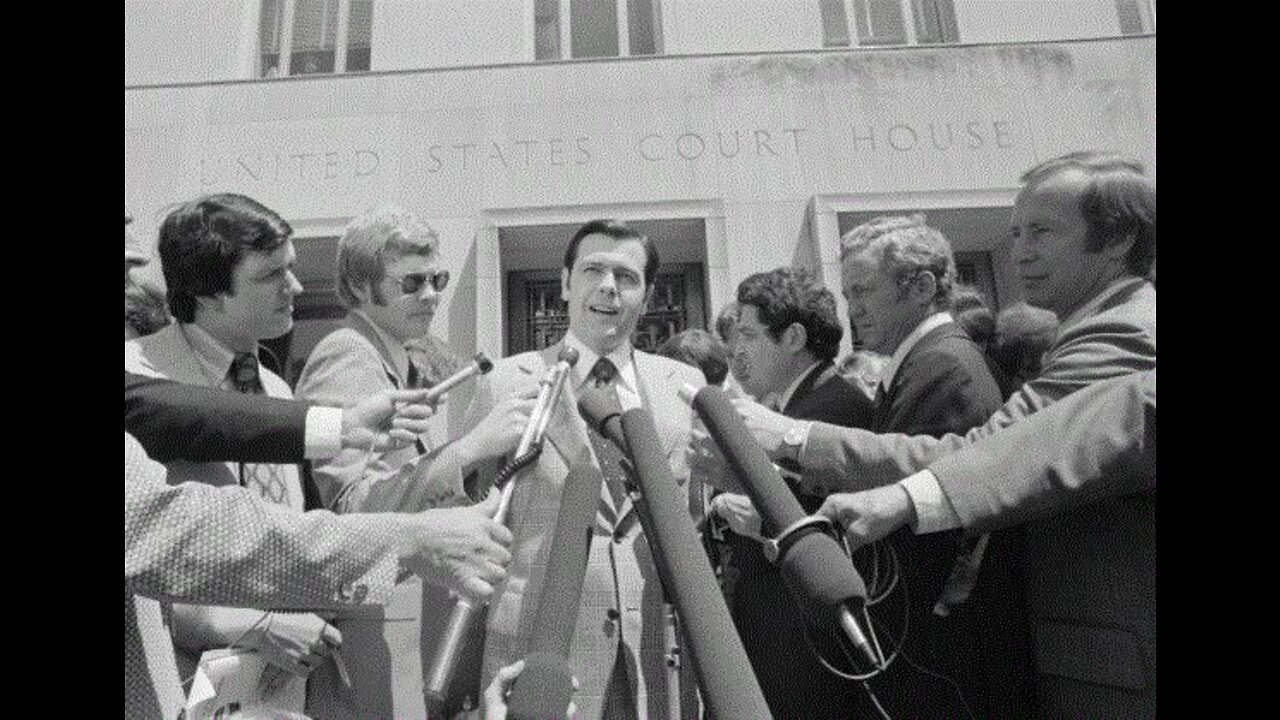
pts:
[176, 421]
[224, 545]
[1099, 442]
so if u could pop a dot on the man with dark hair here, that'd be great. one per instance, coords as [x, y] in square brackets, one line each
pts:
[699, 349]
[788, 333]
[1084, 234]
[228, 267]
[618, 650]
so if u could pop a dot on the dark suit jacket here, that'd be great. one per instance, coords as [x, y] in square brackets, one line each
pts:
[768, 621]
[1082, 473]
[944, 385]
[173, 420]
[1075, 618]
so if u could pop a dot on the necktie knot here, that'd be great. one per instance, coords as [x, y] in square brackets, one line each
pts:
[244, 373]
[603, 372]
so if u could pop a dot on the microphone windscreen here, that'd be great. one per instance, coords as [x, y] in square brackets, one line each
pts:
[729, 687]
[768, 492]
[567, 560]
[542, 690]
[599, 406]
[819, 571]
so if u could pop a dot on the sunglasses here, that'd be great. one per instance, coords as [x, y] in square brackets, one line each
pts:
[412, 283]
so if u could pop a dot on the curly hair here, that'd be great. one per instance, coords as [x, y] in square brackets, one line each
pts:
[906, 248]
[788, 295]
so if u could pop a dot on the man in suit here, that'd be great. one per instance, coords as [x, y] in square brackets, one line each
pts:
[192, 542]
[1084, 228]
[899, 278]
[1087, 460]
[391, 283]
[228, 267]
[788, 332]
[617, 653]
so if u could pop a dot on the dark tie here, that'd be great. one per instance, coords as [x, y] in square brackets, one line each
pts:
[264, 478]
[413, 379]
[603, 374]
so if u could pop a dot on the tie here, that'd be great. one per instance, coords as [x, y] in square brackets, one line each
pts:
[413, 379]
[265, 478]
[880, 395]
[603, 374]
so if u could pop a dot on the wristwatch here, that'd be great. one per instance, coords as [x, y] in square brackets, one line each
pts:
[793, 439]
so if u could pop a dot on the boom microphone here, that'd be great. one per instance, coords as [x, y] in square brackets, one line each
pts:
[821, 577]
[545, 686]
[460, 618]
[729, 686]
[478, 366]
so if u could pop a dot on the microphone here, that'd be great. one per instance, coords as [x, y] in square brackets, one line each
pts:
[545, 687]
[728, 684]
[478, 366]
[821, 577]
[460, 618]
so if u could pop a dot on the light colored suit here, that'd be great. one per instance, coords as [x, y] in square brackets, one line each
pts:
[621, 595]
[1090, 574]
[200, 544]
[389, 649]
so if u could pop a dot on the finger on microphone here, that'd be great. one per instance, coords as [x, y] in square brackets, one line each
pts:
[687, 393]
[411, 396]
[501, 534]
[489, 505]
[476, 588]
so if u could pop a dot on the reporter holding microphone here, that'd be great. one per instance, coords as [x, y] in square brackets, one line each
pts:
[616, 653]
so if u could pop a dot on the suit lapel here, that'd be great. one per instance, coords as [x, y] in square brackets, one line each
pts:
[359, 325]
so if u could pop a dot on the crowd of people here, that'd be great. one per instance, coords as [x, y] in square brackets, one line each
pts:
[992, 474]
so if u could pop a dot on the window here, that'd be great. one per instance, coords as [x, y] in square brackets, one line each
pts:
[307, 37]
[882, 22]
[595, 28]
[1137, 17]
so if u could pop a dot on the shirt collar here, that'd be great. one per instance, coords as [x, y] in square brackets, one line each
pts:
[215, 358]
[785, 397]
[621, 358]
[399, 357]
[909, 342]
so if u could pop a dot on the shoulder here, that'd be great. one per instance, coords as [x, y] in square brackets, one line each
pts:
[343, 342]
[946, 351]
[657, 365]
[274, 384]
[148, 355]
[1119, 337]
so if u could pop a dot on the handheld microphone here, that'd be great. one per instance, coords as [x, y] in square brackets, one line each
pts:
[728, 684]
[478, 366]
[545, 687]
[821, 577]
[460, 618]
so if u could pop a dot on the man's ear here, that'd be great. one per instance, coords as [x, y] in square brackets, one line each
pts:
[1118, 251]
[648, 295]
[795, 337]
[924, 288]
[361, 292]
[564, 283]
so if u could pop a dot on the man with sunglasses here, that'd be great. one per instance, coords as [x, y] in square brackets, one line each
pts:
[389, 279]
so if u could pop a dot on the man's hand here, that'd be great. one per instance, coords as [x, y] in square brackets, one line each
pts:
[386, 420]
[495, 696]
[738, 511]
[870, 515]
[707, 463]
[499, 432]
[462, 548]
[766, 426]
[294, 642]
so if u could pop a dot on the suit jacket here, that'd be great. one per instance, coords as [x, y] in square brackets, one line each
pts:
[390, 648]
[1114, 334]
[768, 620]
[944, 385]
[621, 595]
[197, 543]
[1082, 473]
[173, 420]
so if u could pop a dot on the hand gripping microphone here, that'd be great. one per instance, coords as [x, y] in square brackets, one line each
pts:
[821, 577]
[729, 686]
[478, 366]
[545, 686]
[530, 446]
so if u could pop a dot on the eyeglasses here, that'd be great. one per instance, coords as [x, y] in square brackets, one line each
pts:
[412, 283]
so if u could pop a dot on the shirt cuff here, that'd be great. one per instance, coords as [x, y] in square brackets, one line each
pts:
[933, 510]
[804, 442]
[324, 432]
